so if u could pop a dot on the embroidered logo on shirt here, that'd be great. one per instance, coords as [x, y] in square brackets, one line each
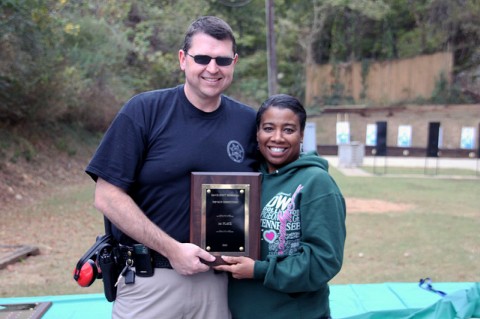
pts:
[235, 151]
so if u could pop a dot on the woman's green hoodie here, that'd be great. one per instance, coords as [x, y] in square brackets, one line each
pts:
[302, 242]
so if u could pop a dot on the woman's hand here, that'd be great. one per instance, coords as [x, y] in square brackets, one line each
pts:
[240, 267]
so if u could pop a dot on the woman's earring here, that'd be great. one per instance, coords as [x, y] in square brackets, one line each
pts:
[301, 147]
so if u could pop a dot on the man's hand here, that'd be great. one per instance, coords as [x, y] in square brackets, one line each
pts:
[122, 211]
[186, 259]
[240, 267]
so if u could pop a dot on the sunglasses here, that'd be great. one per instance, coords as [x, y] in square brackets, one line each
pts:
[205, 59]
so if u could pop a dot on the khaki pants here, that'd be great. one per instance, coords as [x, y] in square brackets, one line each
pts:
[168, 295]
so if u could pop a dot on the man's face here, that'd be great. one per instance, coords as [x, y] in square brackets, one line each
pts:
[205, 83]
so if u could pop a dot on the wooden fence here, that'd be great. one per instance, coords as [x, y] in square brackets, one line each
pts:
[381, 83]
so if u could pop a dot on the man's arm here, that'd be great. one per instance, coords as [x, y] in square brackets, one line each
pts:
[124, 213]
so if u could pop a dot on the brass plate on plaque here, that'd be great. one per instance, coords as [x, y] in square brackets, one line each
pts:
[225, 213]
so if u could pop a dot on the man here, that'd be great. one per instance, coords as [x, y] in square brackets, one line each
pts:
[142, 172]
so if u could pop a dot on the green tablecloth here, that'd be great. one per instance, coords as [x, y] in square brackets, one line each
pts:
[405, 300]
[355, 301]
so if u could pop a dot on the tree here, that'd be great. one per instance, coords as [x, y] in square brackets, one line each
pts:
[76, 61]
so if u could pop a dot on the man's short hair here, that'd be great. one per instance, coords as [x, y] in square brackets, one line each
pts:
[212, 26]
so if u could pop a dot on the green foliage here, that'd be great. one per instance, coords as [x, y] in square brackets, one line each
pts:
[27, 68]
[93, 74]
[94, 47]
[78, 61]
[338, 95]
[250, 84]
[335, 93]
[444, 93]
[51, 66]
[17, 147]
[24, 150]
[365, 71]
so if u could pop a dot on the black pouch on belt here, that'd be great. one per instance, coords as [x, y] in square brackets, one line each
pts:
[143, 261]
[110, 272]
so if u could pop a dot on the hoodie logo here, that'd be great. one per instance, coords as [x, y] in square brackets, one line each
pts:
[235, 151]
[280, 223]
[270, 236]
[285, 217]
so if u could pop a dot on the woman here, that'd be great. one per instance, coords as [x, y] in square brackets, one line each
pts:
[302, 225]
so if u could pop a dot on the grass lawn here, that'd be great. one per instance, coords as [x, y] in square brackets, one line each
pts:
[436, 236]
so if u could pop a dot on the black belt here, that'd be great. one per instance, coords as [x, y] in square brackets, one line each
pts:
[160, 261]
[126, 255]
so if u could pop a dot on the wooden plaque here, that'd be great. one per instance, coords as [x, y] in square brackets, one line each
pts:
[225, 213]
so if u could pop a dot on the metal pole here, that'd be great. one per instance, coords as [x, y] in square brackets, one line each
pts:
[271, 50]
